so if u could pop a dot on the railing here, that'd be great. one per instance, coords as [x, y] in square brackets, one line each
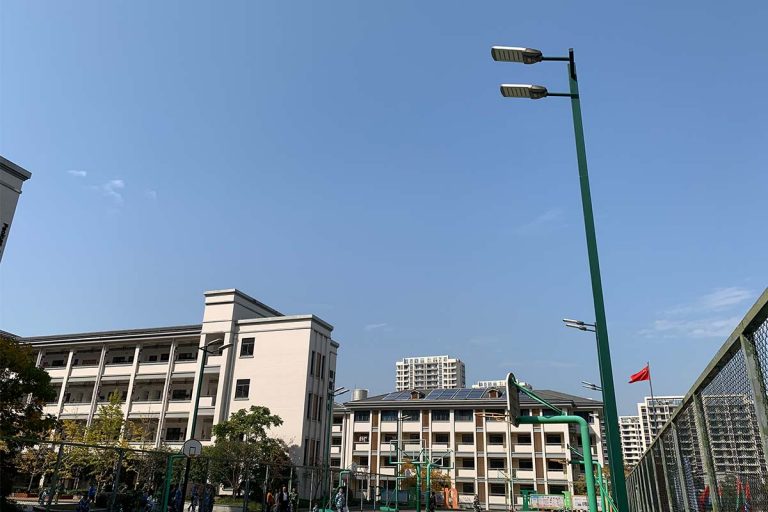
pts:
[711, 454]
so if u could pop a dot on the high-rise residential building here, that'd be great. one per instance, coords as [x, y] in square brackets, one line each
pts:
[11, 178]
[429, 372]
[631, 439]
[654, 413]
[286, 363]
[489, 384]
[483, 454]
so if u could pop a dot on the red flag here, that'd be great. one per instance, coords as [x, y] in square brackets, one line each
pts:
[644, 374]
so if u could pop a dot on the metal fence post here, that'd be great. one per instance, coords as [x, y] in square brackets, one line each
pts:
[757, 380]
[706, 455]
[116, 479]
[680, 472]
[667, 480]
[55, 478]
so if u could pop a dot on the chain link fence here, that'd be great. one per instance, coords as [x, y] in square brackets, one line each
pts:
[711, 454]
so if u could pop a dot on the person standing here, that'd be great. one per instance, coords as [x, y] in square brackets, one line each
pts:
[294, 500]
[340, 502]
[270, 501]
[432, 501]
[283, 500]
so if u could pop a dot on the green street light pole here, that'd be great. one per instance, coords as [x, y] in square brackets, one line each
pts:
[206, 350]
[332, 394]
[531, 56]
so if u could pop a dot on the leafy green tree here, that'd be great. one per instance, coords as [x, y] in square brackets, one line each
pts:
[36, 461]
[24, 390]
[242, 445]
[437, 479]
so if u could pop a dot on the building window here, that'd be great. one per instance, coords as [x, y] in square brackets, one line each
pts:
[152, 358]
[164, 357]
[338, 420]
[336, 441]
[467, 439]
[388, 437]
[468, 463]
[410, 415]
[553, 465]
[557, 489]
[322, 367]
[441, 415]
[310, 397]
[497, 489]
[497, 463]
[362, 461]
[388, 415]
[525, 412]
[306, 451]
[186, 356]
[495, 414]
[554, 439]
[242, 387]
[362, 415]
[463, 414]
[246, 347]
[525, 463]
[468, 488]
[312, 363]
[335, 463]
[523, 438]
[442, 438]
[495, 438]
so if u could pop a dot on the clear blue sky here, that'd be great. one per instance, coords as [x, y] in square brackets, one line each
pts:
[355, 160]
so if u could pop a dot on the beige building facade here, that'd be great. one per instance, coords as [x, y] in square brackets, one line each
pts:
[12, 177]
[286, 363]
[487, 456]
[631, 439]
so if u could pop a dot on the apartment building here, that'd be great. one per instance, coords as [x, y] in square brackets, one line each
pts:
[12, 177]
[489, 384]
[286, 363]
[429, 372]
[653, 413]
[486, 455]
[631, 439]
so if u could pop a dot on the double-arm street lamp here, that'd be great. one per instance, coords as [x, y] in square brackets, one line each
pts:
[332, 394]
[535, 92]
[206, 349]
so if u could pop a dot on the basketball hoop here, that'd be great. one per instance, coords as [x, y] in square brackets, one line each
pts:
[192, 448]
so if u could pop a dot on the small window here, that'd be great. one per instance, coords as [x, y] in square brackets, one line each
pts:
[338, 420]
[525, 463]
[442, 438]
[410, 415]
[525, 412]
[497, 463]
[310, 401]
[497, 489]
[495, 438]
[554, 439]
[495, 414]
[242, 387]
[164, 357]
[361, 437]
[523, 438]
[312, 363]
[468, 463]
[557, 489]
[553, 465]
[388, 415]
[468, 487]
[187, 356]
[441, 415]
[335, 463]
[388, 437]
[463, 414]
[363, 461]
[362, 415]
[467, 439]
[152, 358]
[179, 394]
[322, 367]
[246, 347]
[335, 441]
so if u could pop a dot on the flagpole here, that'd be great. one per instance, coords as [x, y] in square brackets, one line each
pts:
[653, 401]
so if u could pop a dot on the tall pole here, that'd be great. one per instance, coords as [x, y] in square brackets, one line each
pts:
[615, 458]
[327, 455]
[194, 421]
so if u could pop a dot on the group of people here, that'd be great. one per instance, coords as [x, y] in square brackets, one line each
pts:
[282, 500]
[201, 499]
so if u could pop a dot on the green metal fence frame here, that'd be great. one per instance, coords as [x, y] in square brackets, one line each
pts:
[651, 490]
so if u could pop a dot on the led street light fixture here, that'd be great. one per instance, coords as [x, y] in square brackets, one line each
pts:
[515, 54]
[533, 92]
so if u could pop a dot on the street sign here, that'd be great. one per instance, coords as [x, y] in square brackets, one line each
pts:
[513, 399]
[192, 448]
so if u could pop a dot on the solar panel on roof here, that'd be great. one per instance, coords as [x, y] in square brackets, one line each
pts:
[462, 394]
[476, 393]
[433, 394]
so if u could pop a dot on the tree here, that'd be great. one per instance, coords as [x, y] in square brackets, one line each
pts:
[24, 390]
[35, 461]
[242, 444]
[437, 479]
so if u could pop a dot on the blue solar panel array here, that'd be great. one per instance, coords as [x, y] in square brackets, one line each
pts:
[441, 394]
